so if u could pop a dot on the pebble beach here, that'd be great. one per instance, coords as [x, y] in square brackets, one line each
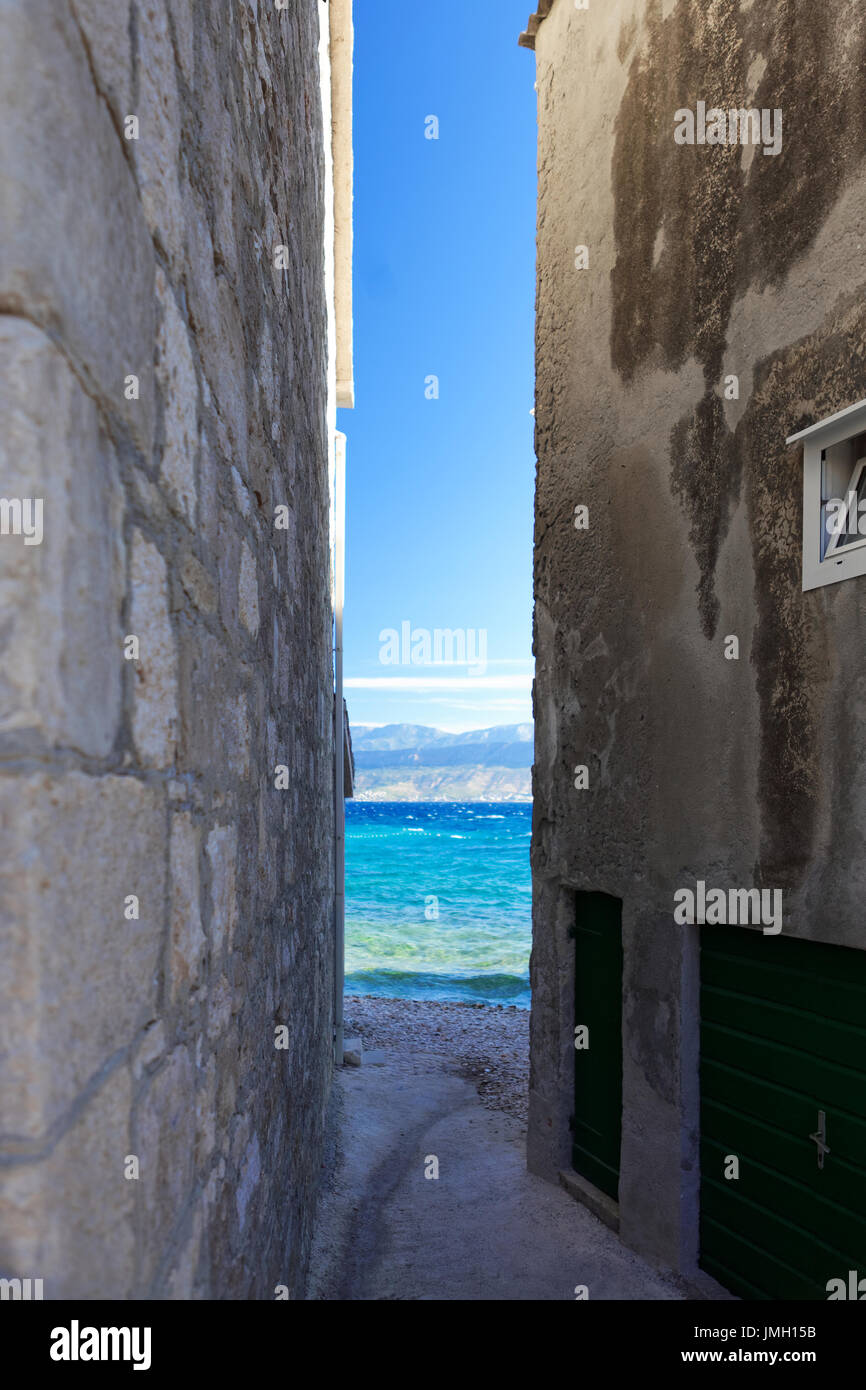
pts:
[488, 1044]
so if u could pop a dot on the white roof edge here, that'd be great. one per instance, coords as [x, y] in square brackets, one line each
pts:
[342, 40]
[830, 423]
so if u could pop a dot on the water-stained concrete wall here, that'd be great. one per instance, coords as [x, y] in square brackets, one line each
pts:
[166, 980]
[703, 263]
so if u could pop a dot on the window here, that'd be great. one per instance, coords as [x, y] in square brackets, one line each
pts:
[834, 497]
[844, 519]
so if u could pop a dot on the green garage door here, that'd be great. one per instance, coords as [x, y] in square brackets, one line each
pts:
[783, 1090]
[597, 1124]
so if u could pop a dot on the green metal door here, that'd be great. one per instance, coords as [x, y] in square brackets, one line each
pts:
[783, 1090]
[597, 1124]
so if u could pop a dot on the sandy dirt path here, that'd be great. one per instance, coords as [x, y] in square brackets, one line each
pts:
[485, 1228]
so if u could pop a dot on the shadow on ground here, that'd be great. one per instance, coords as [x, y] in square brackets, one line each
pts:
[485, 1229]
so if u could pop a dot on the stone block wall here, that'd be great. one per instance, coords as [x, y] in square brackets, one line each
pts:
[166, 897]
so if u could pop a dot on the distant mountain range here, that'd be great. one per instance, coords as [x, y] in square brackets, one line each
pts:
[412, 762]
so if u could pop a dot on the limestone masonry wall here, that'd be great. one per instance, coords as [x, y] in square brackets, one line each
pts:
[166, 896]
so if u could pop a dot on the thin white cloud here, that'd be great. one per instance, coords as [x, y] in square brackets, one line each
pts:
[498, 705]
[439, 683]
[512, 661]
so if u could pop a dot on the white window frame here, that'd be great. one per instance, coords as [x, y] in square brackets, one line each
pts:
[849, 562]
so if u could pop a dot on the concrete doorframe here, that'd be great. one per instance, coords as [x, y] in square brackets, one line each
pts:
[659, 1192]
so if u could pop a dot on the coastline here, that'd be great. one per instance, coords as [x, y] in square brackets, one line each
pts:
[485, 1043]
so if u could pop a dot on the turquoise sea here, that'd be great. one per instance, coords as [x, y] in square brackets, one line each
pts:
[438, 900]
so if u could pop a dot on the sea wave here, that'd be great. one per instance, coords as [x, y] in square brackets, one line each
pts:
[441, 908]
[477, 989]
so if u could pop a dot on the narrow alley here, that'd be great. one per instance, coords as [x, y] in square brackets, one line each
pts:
[485, 1228]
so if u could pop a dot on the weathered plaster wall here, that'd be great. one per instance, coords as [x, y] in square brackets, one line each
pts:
[155, 777]
[703, 262]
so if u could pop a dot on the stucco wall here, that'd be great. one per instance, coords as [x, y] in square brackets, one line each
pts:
[153, 1037]
[704, 262]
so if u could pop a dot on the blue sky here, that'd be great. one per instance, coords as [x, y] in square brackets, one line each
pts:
[440, 491]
